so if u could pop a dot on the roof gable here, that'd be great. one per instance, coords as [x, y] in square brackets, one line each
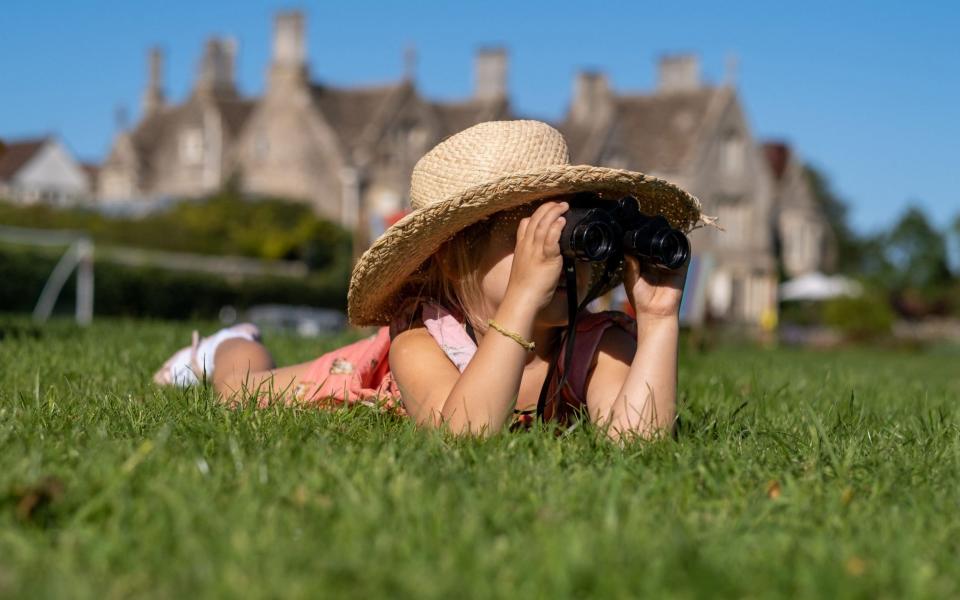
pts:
[17, 154]
[658, 133]
[355, 114]
[652, 133]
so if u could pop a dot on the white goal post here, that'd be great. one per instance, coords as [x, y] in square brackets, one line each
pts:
[79, 256]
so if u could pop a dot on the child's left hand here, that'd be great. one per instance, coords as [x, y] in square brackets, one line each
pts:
[653, 292]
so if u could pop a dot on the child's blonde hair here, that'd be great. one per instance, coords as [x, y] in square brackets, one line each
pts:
[452, 275]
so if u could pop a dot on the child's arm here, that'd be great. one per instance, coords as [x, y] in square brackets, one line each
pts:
[633, 388]
[481, 399]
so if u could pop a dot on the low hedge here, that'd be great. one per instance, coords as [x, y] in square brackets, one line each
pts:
[157, 293]
[223, 224]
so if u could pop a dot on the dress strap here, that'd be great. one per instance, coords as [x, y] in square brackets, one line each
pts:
[456, 340]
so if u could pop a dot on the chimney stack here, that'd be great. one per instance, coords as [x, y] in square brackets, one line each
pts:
[289, 48]
[679, 73]
[216, 67]
[153, 99]
[490, 72]
[592, 98]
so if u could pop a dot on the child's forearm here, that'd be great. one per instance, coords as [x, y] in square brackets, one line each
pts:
[484, 395]
[647, 402]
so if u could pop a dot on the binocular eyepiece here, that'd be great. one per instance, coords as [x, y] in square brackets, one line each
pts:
[594, 232]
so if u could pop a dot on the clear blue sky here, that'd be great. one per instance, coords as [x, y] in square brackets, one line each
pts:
[868, 91]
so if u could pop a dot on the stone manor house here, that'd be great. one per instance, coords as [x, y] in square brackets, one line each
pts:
[349, 152]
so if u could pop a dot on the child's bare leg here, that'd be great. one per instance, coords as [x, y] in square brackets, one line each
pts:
[243, 367]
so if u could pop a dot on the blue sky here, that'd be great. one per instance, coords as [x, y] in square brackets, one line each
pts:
[868, 91]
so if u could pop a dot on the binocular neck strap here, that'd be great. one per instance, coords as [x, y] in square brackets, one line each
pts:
[573, 310]
[570, 274]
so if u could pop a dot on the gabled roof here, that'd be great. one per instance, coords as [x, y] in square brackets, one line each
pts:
[149, 133]
[235, 113]
[17, 154]
[352, 112]
[652, 133]
[453, 117]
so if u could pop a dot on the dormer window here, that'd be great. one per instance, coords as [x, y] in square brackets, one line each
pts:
[732, 154]
[261, 146]
[191, 146]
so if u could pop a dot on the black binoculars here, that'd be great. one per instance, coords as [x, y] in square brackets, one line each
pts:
[597, 231]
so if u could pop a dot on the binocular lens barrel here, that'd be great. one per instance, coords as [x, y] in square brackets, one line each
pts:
[666, 247]
[596, 233]
[593, 240]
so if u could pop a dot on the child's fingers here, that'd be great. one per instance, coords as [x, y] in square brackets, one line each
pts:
[522, 228]
[631, 270]
[551, 243]
[547, 219]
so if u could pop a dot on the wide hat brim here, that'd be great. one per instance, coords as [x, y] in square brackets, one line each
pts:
[381, 276]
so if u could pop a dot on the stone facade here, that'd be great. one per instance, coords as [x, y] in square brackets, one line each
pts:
[349, 153]
[346, 151]
[182, 150]
[697, 136]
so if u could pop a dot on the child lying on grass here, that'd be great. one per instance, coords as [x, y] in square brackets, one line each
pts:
[469, 292]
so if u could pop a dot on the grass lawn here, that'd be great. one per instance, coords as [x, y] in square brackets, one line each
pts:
[795, 473]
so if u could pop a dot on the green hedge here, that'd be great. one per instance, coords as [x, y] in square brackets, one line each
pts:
[223, 224]
[151, 292]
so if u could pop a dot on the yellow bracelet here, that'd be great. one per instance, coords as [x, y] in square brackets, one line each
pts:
[529, 346]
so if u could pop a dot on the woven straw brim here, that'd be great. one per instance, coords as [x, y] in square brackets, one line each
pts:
[382, 274]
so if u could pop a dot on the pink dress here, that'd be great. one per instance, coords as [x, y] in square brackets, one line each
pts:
[360, 372]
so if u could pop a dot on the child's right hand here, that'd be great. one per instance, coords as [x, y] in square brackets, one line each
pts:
[537, 262]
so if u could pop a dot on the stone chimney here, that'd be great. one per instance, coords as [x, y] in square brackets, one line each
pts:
[592, 98]
[289, 48]
[490, 73]
[153, 99]
[679, 73]
[216, 75]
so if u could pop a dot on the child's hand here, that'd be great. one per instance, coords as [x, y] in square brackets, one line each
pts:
[653, 292]
[537, 262]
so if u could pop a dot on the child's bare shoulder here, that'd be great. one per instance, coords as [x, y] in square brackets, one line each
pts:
[415, 347]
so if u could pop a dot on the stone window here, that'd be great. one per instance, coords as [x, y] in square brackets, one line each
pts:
[733, 215]
[191, 146]
[732, 154]
[417, 139]
[261, 146]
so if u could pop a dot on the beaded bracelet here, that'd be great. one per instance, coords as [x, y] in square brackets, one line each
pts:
[529, 346]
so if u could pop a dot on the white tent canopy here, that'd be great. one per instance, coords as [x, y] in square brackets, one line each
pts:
[817, 286]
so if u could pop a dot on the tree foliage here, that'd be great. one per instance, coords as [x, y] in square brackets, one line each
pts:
[849, 246]
[918, 253]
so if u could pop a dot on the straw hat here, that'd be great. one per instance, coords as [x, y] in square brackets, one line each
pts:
[482, 170]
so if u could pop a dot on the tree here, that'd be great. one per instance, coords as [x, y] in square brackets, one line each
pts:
[918, 253]
[850, 248]
[956, 243]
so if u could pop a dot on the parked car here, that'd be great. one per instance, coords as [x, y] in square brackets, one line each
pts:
[305, 321]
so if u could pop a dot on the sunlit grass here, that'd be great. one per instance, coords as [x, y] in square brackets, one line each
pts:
[794, 474]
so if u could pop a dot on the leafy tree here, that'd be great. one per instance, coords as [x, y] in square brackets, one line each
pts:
[956, 242]
[851, 249]
[918, 253]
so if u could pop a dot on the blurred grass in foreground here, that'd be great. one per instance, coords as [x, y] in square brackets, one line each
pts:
[795, 473]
